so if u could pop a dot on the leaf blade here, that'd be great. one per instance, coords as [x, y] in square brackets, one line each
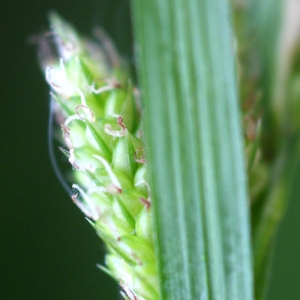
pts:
[195, 149]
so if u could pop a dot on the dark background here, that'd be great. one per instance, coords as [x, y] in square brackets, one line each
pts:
[47, 249]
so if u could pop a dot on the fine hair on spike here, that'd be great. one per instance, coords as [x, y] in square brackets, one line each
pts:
[129, 293]
[87, 108]
[83, 101]
[145, 202]
[50, 80]
[86, 205]
[55, 87]
[75, 193]
[120, 122]
[110, 172]
[141, 158]
[72, 160]
[115, 133]
[70, 119]
[102, 89]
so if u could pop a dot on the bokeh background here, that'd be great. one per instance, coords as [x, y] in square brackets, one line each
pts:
[47, 249]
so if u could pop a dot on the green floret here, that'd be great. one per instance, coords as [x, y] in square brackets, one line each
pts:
[101, 130]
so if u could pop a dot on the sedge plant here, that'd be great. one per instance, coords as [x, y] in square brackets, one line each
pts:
[187, 201]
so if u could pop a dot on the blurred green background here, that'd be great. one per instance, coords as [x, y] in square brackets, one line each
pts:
[48, 250]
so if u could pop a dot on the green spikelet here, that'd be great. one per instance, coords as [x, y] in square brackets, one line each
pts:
[101, 131]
